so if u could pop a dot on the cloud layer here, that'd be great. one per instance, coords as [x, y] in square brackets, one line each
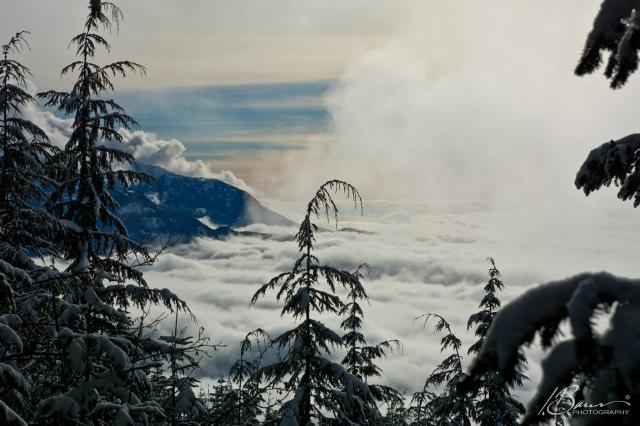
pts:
[432, 261]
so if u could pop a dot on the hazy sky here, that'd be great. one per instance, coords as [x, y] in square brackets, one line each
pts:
[471, 96]
[409, 99]
[196, 42]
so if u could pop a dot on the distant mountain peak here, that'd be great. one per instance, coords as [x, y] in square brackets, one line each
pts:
[172, 206]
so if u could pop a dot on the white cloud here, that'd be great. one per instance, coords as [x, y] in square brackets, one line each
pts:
[469, 102]
[146, 147]
[432, 262]
[58, 129]
[170, 154]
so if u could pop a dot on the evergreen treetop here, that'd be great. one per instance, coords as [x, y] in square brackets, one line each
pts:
[93, 162]
[322, 389]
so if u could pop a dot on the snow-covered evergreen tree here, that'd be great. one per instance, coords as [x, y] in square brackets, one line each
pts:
[397, 414]
[92, 163]
[494, 404]
[97, 362]
[322, 390]
[360, 358]
[615, 30]
[219, 395]
[26, 230]
[441, 403]
[239, 399]
[24, 176]
[594, 367]
[219, 401]
[246, 398]
[177, 390]
[616, 162]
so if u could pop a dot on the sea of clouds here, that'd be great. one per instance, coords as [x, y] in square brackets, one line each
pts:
[424, 258]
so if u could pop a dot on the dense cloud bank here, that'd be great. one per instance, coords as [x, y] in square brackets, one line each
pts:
[432, 261]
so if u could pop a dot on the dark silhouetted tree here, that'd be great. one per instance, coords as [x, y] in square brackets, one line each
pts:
[97, 342]
[93, 162]
[360, 358]
[441, 402]
[26, 232]
[615, 30]
[494, 404]
[322, 389]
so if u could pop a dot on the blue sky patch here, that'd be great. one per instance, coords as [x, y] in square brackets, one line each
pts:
[217, 121]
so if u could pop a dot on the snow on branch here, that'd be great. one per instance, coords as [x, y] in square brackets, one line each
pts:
[578, 300]
[538, 310]
[613, 162]
[615, 30]
[10, 417]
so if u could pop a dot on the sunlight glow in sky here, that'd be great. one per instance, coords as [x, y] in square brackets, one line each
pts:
[469, 96]
[203, 42]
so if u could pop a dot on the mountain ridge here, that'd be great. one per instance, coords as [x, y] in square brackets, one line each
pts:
[179, 208]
